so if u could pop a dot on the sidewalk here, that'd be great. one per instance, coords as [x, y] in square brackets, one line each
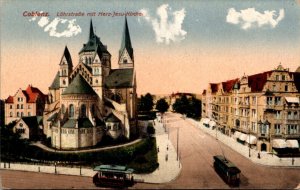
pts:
[168, 169]
[265, 157]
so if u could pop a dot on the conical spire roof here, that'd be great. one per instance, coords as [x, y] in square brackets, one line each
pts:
[126, 42]
[67, 55]
[91, 30]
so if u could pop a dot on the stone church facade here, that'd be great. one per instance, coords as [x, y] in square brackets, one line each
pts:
[90, 100]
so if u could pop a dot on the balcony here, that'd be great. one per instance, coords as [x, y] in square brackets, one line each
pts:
[244, 104]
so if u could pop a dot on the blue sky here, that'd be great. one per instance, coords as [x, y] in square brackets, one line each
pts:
[204, 39]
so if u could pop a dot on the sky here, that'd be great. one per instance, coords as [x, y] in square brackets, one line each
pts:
[179, 46]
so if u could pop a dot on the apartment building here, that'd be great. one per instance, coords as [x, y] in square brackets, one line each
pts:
[260, 110]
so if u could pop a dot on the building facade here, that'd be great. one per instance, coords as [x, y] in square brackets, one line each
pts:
[29, 102]
[260, 110]
[91, 99]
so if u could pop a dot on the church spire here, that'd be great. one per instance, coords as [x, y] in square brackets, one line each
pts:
[126, 42]
[91, 29]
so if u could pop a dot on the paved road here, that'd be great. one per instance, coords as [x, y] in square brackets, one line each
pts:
[196, 150]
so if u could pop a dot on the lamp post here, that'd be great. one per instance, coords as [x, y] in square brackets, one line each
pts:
[249, 140]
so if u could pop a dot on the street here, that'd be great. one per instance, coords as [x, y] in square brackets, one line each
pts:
[196, 150]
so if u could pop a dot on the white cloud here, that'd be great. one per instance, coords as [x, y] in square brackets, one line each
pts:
[43, 21]
[166, 29]
[71, 28]
[250, 18]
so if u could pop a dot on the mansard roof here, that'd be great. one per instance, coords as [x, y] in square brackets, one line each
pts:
[120, 78]
[257, 82]
[79, 86]
[55, 82]
[228, 85]
[126, 42]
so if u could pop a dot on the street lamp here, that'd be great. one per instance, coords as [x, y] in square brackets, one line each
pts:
[249, 139]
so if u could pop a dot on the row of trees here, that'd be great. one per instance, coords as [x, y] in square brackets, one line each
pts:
[191, 107]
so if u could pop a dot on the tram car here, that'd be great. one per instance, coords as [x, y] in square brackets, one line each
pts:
[227, 170]
[113, 176]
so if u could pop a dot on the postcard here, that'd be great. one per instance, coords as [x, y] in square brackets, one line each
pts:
[150, 94]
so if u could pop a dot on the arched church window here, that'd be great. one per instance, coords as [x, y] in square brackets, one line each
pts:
[93, 110]
[63, 109]
[71, 110]
[83, 110]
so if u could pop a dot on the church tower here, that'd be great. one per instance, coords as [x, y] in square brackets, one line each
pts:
[126, 59]
[65, 69]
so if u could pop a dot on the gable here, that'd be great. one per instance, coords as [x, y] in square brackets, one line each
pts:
[125, 58]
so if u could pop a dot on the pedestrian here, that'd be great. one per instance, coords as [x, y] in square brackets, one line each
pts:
[166, 157]
[293, 160]
[167, 147]
[258, 155]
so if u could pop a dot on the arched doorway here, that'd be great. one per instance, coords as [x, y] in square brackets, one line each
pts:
[263, 147]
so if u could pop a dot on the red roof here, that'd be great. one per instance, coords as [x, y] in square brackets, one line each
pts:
[228, 85]
[31, 94]
[257, 82]
[10, 99]
[214, 87]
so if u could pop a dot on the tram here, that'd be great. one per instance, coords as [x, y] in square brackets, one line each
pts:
[113, 176]
[227, 170]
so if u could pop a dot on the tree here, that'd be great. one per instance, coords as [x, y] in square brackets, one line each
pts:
[191, 107]
[162, 105]
[146, 103]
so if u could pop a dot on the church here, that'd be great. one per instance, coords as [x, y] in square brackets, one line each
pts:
[91, 100]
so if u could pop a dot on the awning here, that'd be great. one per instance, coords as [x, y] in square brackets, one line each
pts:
[251, 140]
[212, 123]
[243, 137]
[292, 143]
[206, 121]
[279, 143]
[237, 134]
[293, 100]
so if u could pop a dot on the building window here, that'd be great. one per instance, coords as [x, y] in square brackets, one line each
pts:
[253, 100]
[18, 114]
[253, 126]
[10, 114]
[286, 88]
[295, 115]
[269, 100]
[277, 129]
[21, 106]
[292, 129]
[290, 115]
[64, 82]
[29, 106]
[22, 114]
[125, 61]
[277, 100]
[253, 111]
[283, 77]
[10, 106]
[263, 129]
[83, 110]
[278, 114]
[71, 112]
[18, 106]
[29, 114]
[277, 77]
[274, 88]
